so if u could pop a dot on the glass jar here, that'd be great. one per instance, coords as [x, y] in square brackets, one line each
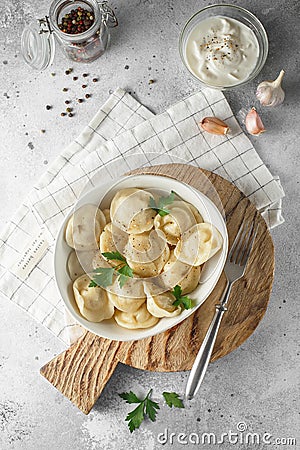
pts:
[81, 27]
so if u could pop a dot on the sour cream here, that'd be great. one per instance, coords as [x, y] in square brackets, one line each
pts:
[221, 51]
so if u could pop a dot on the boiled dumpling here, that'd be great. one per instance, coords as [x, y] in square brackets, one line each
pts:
[113, 239]
[147, 253]
[99, 260]
[126, 304]
[197, 215]
[84, 228]
[92, 302]
[130, 210]
[180, 219]
[79, 263]
[176, 272]
[138, 319]
[160, 304]
[106, 213]
[198, 244]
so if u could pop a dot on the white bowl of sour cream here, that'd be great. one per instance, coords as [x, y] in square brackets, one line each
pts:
[223, 46]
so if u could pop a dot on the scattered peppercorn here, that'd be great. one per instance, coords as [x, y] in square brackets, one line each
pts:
[63, 114]
[84, 86]
[52, 74]
[151, 81]
[48, 107]
[76, 21]
[68, 71]
[87, 95]
[67, 102]
[95, 80]
[85, 75]
[43, 131]
[80, 100]
[75, 78]
[70, 114]
[65, 89]
[126, 67]
[69, 110]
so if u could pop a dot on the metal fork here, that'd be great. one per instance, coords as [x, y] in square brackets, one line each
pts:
[234, 269]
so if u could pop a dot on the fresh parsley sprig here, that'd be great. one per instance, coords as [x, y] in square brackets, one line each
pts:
[104, 275]
[183, 300]
[147, 407]
[172, 399]
[160, 207]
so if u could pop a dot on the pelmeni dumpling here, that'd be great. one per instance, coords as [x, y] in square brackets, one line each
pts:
[176, 272]
[198, 244]
[180, 219]
[79, 263]
[126, 304]
[130, 210]
[84, 228]
[106, 213]
[138, 319]
[160, 304]
[197, 215]
[147, 253]
[113, 239]
[92, 302]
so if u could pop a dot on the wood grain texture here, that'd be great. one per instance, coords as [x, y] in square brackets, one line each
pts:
[82, 371]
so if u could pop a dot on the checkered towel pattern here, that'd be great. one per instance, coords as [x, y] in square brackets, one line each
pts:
[123, 135]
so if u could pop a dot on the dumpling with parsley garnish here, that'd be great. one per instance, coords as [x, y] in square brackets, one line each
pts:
[130, 210]
[92, 302]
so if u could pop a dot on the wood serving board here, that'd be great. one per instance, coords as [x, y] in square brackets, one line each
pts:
[82, 371]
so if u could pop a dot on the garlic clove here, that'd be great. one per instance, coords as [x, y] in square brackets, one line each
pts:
[214, 125]
[270, 93]
[254, 123]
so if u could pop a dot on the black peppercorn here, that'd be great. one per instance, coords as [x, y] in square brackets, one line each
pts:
[80, 100]
[67, 102]
[75, 78]
[65, 89]
[69, 110]
[85, 75]
[48, 107]
[70, 114]
[95, 80]
[63, 114]
[84, 86]
[87, 95]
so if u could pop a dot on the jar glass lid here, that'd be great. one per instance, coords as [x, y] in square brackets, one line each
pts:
[38, 44]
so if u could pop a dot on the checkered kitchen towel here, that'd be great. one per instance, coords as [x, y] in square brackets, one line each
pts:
[123, 135]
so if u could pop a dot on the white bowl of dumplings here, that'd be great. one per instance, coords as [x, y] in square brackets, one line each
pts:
[186, 247]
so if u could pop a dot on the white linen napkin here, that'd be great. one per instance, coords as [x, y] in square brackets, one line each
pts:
[123, 135]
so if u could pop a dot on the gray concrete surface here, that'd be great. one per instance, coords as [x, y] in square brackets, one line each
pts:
[259, 383]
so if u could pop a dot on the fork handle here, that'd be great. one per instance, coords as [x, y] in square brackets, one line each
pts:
[202, 359]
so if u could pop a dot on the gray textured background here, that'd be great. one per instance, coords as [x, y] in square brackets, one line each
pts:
[257, 384]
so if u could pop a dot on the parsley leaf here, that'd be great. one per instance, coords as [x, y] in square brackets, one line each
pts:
[172, 399]
[147, 407]
[160, 208]
[103, 277]
[114, 256]
[125, 272]
[130, 397]
[183, 300]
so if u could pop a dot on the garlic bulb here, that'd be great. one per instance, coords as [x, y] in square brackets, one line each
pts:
[254, 123]
[214, 125]
[270, 93]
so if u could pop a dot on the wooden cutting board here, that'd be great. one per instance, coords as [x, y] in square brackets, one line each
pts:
[82, 371]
